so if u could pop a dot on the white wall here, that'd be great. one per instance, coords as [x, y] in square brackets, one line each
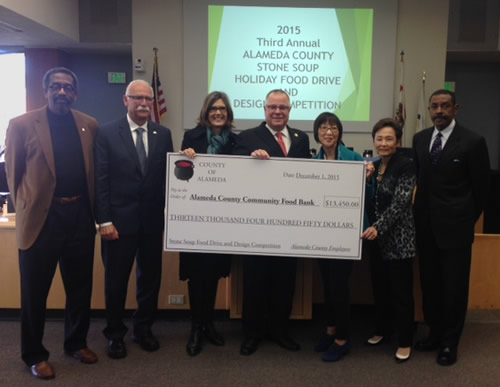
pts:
[422, 34]
[58, 15]
[158, 23]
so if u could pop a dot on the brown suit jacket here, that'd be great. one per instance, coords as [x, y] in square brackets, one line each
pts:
[30, 168]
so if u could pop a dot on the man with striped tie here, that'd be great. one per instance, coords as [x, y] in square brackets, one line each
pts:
[130, 156]
[452, 166]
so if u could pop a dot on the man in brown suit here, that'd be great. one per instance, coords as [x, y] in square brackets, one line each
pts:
[50, 172]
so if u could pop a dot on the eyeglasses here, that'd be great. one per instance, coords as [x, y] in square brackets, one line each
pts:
[140, 98]
[55, 87]
[324, 129]
[282, 108]
[222, 109]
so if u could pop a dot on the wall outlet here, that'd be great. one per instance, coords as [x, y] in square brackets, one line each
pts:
[176, 299]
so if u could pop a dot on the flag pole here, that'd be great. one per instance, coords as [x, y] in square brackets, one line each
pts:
[400, 114]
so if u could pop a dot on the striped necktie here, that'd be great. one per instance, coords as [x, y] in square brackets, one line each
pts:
[436, 149]
[141, 150]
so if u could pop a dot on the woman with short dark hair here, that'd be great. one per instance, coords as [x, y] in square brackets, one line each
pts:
[393, 231]
[335, 273]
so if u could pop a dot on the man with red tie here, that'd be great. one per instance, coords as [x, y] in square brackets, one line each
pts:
[269, 282]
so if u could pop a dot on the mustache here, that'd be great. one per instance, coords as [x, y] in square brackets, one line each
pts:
[143, 109]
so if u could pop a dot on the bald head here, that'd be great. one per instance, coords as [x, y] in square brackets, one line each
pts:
[137, 82]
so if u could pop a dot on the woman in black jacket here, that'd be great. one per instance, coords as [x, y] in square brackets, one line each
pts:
[393, 230]
[212, 135]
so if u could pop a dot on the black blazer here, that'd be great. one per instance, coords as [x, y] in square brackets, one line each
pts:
[196, 138]
[204, 265]
[452, 194]
[260, 138]
[124, 196]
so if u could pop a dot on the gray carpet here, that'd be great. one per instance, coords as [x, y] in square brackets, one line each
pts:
[478, 365]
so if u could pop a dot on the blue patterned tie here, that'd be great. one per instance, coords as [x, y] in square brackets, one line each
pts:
[141, 150]
[436, 149]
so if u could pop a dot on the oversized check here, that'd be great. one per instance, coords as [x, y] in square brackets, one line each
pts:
[279, 207]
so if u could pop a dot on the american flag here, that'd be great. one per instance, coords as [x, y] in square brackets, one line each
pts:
[159, 105]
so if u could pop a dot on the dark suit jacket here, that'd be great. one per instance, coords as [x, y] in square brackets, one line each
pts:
[196, 138]
[452, 194]
[30, 168]
[204, 265]
[124, 196]
[260, 138]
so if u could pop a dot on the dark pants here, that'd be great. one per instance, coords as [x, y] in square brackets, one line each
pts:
[67, 238]
[202, 293]
[118, 257]
[444, 276]
[336, 274]
[268, 288]
[392, 282]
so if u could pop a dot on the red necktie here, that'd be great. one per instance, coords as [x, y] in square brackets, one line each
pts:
[282, 143]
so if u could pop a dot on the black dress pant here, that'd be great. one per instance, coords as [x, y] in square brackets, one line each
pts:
[336, 274]
[268, 288]
[444, 276]
[67, 238]
[118, 256]
[202, 293]
[392, 281]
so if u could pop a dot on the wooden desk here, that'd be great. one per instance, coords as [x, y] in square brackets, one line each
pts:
[484, 283]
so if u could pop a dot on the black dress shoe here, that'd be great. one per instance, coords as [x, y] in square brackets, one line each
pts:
[428, 344]
[193, 347]
[287, 343]
[447, 356]
[147, 342]
[116, 349]
[249, 346]
[212, 335]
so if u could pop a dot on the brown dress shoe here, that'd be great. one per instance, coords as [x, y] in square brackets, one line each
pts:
[85, 355]
[43, 370]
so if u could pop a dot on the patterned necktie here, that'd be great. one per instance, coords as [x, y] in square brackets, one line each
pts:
[141, 150]
[282, 143]
[436, 149]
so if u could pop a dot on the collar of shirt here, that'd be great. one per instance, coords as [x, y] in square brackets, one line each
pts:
[445, 133]
[133, 126]
[286, 136]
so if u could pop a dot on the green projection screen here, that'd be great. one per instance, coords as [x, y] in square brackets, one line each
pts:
[321, 57]
[329, 55]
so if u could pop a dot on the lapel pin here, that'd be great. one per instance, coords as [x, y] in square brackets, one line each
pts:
[83, 129]
[155, 132]
[296, 135]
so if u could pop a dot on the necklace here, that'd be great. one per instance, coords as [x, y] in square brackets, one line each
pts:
[380, 173]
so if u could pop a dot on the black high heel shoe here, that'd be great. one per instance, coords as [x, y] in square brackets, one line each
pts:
[193, 347]
[212, 335]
